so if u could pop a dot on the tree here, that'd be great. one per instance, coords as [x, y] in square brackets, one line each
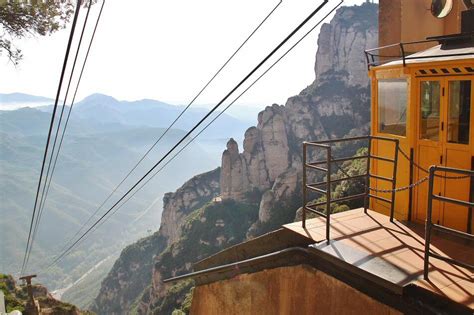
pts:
[19, 19]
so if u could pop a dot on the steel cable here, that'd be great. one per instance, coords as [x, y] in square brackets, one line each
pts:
[71, 35]
[194, 137]
[170, 126]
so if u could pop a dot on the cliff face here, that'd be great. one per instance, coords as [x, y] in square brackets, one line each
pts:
[133, 270]
[260, 185]
[336, 104]
[192, 195]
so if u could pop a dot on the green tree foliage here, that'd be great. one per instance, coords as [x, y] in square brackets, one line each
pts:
[19, 19]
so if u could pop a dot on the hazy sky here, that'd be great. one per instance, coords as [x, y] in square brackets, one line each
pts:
[167, 50]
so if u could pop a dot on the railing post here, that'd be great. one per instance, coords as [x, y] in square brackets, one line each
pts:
[410, 190]
[428, 223]
[402, 49]
[304, 185]
[367, 178]
[328, 194]
[394, 181]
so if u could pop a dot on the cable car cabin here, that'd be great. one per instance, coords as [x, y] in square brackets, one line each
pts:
[426, 100]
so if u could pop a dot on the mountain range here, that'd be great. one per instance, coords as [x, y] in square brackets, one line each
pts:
[105, 138]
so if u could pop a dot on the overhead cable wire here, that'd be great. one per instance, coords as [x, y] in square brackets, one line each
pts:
[255, 69]
[46, 187]
[49, 176]
[220, 113]
[73, 99]
[71, 35]
[171, 125]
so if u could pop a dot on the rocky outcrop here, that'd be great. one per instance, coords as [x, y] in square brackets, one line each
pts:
[233, 180]
[192, 195]
[132, 271]
[284, 187]
[334, 105]
[342, 42]
[212, 228]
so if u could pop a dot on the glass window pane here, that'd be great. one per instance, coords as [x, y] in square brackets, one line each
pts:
[429, 110]
[392, 102]
[459, 111]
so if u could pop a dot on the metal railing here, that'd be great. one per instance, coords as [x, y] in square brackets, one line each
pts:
[432, 226]
[315, 187]
[375, 58]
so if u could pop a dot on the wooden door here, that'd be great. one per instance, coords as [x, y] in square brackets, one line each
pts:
[429, 148]
[458, 152]
[445, 137]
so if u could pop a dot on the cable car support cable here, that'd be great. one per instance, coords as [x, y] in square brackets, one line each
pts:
[50, 170]
[71, 35]
[174, 156]
[171, 125]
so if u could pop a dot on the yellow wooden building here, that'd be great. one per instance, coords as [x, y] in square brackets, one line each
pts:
[426, 100]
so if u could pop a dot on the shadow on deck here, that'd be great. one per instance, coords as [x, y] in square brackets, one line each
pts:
[394, 251]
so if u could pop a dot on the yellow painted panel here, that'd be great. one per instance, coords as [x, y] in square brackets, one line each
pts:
[456, 216]
[427, 155]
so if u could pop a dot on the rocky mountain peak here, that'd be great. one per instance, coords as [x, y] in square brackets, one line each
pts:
[342, 42]
[334, 104]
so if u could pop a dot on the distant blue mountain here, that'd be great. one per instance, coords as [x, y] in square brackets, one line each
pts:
[23, 98]
[104, 109]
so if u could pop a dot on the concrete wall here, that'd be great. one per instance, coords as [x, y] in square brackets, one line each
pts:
[286, 290]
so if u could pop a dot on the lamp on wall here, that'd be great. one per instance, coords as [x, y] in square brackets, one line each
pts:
[441, 8]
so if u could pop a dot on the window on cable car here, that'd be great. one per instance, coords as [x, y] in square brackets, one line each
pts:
[459, 111]
[392, 106]
[430, 95]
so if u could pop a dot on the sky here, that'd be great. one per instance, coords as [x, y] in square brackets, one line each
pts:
[168, 50]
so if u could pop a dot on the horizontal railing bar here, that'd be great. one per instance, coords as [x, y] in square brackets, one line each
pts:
[315, 211]
[452, 170]
[338, 140]
[317, 144]
[321, 191]
[316, 167]
[380, 198]
[341, 159]
[323, 143]
[383, 47]
[339, 200]
[381, 177]
[452, 261]
[336, 180]
[382, 158]
[380, 62]
[452, 231]
[454, 201]
[403, 43]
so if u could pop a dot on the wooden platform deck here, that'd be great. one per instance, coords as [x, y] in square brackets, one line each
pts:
[394, 252]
